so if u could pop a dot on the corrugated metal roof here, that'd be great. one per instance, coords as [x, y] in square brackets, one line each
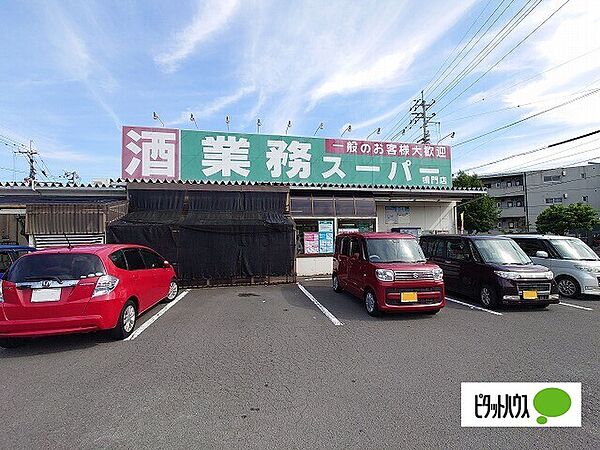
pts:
[300, 184]
[120, 184]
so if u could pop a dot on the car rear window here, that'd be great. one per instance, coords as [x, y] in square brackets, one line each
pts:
[55, 266]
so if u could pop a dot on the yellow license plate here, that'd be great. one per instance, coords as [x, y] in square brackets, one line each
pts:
[530, 295]
[408, 297]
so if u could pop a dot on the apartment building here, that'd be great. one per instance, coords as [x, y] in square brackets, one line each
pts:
[522, 196]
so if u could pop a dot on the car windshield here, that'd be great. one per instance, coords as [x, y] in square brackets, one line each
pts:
[501, 251]
[574, 249]
[55, 266]
[394, 250]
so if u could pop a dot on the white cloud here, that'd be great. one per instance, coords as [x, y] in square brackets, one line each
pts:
[75, 58]
[376, 71]
[212, 18]
[217, 105]
[301, 55]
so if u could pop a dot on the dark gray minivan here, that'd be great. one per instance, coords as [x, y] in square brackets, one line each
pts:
[491, 269]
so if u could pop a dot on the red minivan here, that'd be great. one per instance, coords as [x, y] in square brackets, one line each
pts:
[82, 288]
[388, 271]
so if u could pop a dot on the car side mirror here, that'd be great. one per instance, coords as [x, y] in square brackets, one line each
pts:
[541, 254]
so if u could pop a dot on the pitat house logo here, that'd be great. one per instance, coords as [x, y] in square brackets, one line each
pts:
[521, 404]
[551, 402]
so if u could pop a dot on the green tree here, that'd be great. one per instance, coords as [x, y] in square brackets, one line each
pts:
[559, 219]
[480, 214]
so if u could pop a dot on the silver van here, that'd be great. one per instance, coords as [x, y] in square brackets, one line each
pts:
[576, 266]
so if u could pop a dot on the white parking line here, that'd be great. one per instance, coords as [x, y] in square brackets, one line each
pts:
[496, 313]
[155, 317]
[585, 308]
[324, 310]
[317, 279]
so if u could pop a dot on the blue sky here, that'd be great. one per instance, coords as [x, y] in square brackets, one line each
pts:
[73, 72]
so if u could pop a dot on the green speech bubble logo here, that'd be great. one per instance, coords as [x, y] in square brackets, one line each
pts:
[552, 402]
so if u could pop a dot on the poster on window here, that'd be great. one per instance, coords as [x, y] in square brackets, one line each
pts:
[397, 215]
[325, 236]
[311, 242]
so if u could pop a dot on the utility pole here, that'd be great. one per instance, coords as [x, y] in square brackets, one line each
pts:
[30, 155]
[419, 111]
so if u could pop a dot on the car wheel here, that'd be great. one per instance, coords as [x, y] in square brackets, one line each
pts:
[371, 303]
[488, 297]
[10, 343]
[126, 322]
[568, 287]
[173, 291]
[335, 283]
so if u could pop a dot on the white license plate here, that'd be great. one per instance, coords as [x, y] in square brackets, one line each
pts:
[45, 295]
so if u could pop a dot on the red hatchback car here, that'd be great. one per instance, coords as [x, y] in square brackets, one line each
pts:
[82, 288]
[388, 271]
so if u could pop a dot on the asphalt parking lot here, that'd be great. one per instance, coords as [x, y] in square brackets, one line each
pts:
[264, 367]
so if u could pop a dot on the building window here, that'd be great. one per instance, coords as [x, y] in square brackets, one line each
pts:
[549, 201]
[517, 182]
[509, 184]
[498, 184]
[488, 185]
[584, 198]
[509, 205]
[549, 178]
[499, 204]
[314, 237]
[519, 203]
[511, 224]
[499, 224]
[332, 206]
[323, 207]
[583, 175]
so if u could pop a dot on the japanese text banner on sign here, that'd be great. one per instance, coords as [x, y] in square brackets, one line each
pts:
[166, 154]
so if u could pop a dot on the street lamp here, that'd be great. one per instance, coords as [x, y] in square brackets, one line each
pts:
[375, 131]
[451, 135]
[348, 129]
[193, 119]
[289, 125]
[227, 120]
[155, 117]
[320, 127]
[258, 125]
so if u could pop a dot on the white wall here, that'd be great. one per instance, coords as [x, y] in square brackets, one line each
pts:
[429, 216]
[319, 265]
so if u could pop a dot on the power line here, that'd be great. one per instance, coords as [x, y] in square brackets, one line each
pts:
[595, 91]
[435, 80]
[497, 92]
[512, 23]
[507, 54]
[529, 152]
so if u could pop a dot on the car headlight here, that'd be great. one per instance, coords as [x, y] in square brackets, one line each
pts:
[587, 268]
[384, 274]
[549, 275]
[438, 274]
[508, 275]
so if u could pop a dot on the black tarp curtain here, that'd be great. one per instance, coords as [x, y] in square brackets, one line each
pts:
[212, 235]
